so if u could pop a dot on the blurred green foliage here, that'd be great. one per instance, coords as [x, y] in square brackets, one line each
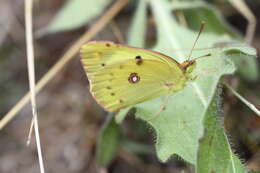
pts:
[76, 13]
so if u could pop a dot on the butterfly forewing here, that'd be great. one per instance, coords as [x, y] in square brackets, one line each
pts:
[121, 76]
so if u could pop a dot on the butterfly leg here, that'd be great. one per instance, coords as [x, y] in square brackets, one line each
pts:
[162, 108]
[204, 72]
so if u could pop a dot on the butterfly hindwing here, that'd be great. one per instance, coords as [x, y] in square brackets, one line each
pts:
[121, 76]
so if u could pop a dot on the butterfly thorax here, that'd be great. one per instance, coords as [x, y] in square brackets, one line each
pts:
[178, 81]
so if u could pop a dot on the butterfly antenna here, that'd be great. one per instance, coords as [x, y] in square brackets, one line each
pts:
[203, 23]
[209, 54]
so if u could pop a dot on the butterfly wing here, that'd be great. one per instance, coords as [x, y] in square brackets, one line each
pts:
[121, 76]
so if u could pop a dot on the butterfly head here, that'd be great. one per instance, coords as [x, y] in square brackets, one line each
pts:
[188, 66]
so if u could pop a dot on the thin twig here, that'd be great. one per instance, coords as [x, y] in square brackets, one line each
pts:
[97, 27]
[241, 98]
[241, 6]
[30, 133]
[31, 72]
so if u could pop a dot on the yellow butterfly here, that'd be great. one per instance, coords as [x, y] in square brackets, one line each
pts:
[121, 76]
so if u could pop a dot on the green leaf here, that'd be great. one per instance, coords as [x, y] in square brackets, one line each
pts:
[198, 11]
[215, 153]
[76, 13]
[108, 141]
[137, 31]
[179, 127]
[246, 63]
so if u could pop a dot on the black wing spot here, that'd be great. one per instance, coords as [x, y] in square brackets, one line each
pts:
[112, 94]
[108, 45]
[139, 60]
[103, 64]
[121, 101]
[108, 87]
[133, 78]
